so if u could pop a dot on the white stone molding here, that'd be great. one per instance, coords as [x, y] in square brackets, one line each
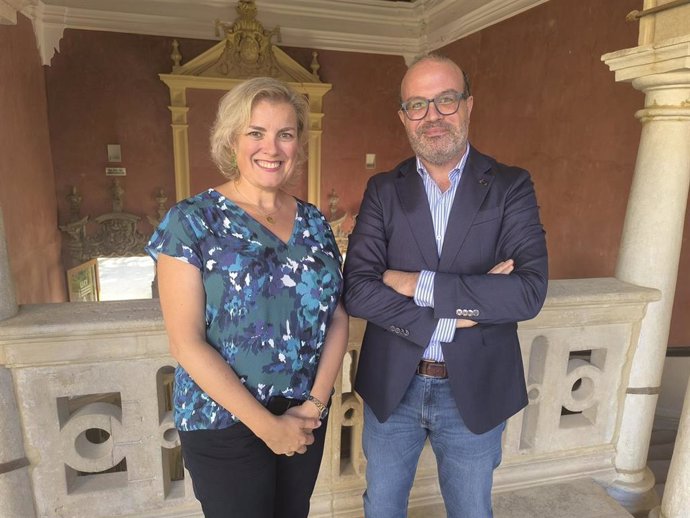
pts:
[48, 29]
[656, 58]
[366, 26]
[10, 8]
[450, 21]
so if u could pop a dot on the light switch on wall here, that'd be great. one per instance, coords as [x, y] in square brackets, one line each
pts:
[370, 160]
[114, 153]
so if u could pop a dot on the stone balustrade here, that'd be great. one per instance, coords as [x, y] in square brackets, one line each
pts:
[92, 388]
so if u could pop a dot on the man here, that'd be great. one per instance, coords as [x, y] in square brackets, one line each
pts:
[447, 255]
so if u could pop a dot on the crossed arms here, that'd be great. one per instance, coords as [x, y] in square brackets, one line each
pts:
[383, 296]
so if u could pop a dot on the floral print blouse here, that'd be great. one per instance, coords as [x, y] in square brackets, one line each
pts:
[268, 303]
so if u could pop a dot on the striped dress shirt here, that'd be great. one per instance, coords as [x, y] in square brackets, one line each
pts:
[440, 204]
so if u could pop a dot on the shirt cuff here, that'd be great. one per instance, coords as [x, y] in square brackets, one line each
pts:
[424, 291]
[445, 330]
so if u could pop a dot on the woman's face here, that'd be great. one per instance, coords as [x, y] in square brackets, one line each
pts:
[267, 149]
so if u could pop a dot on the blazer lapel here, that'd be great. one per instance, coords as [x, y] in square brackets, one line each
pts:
[474, 185]
[415, 206]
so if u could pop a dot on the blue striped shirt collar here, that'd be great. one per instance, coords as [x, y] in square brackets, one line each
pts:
[455, 173]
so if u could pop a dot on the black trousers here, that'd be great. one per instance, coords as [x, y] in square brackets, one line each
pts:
[235, 475]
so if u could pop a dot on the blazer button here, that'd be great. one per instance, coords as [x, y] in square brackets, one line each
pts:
[458, 312]
[407, 333]
[392, 329]
[475, 313]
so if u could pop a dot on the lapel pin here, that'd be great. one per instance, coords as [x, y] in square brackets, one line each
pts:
[483, 182]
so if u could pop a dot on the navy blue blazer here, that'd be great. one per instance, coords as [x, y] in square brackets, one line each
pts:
[494, 217]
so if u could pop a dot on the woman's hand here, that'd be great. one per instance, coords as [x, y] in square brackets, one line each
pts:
[288, 433]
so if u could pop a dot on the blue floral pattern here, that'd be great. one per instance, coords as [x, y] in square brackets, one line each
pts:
[268, 303]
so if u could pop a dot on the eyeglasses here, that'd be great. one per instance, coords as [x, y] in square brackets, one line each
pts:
[446, 104]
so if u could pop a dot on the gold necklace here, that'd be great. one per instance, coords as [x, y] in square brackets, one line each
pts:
[268, 215]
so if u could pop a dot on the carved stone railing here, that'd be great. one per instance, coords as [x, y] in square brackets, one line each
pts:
[92, 384]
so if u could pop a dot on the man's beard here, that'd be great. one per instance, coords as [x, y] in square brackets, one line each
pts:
[438, 150]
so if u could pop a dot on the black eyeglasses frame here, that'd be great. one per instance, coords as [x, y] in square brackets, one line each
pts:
[459, 96]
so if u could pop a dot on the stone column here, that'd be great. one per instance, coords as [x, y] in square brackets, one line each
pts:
[676, 502]
[651, 242]
[16, 498]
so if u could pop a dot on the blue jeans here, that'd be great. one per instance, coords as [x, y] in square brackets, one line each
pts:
[465, 461]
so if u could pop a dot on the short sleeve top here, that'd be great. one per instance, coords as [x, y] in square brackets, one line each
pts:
[268, 303]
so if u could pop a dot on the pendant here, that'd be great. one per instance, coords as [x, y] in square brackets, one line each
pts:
[270, 219]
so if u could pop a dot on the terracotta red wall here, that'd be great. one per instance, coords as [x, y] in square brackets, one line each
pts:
[103, 88]
[27, 188]
[543, 100]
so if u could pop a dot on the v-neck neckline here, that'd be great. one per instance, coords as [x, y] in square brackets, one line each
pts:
[220, 197]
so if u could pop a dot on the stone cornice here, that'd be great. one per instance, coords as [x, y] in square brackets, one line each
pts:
[9, 9]
[657, 58]
[450, 22]
[366, 26]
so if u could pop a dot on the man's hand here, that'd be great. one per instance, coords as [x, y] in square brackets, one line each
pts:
[502, 268]
[404, 283]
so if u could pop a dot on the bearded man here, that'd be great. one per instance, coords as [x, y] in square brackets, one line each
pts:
[447, 255]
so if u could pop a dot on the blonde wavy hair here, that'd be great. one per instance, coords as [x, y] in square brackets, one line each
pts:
[235, 112]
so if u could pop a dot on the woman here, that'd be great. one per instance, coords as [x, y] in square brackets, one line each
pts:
[249, 280]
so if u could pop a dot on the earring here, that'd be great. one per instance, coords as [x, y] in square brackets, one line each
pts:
[233, 161]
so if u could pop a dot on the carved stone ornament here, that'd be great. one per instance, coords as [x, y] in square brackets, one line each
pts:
[117, 233]
[337, 221]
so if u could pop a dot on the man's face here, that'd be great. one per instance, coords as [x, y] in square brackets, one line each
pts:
[437, 139]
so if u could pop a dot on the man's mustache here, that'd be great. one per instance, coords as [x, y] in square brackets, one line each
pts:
[432, 125]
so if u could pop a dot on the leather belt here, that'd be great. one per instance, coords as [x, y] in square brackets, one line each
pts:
[432, 369]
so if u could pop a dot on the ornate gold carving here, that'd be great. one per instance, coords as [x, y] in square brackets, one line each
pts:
[246, 51]
[175, 55]
[248, 48]
[315, 66]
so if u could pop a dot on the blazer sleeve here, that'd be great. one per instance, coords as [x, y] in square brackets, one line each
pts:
[365, 294]
[499, 299]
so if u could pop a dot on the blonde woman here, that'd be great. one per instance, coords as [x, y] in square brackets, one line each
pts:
[250, 284]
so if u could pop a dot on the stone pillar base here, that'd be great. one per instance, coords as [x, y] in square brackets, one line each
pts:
[635, 492]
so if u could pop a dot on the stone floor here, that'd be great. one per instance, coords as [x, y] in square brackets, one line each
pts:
[576, 499]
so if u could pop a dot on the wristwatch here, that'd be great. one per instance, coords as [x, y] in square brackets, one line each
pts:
[323, 409]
